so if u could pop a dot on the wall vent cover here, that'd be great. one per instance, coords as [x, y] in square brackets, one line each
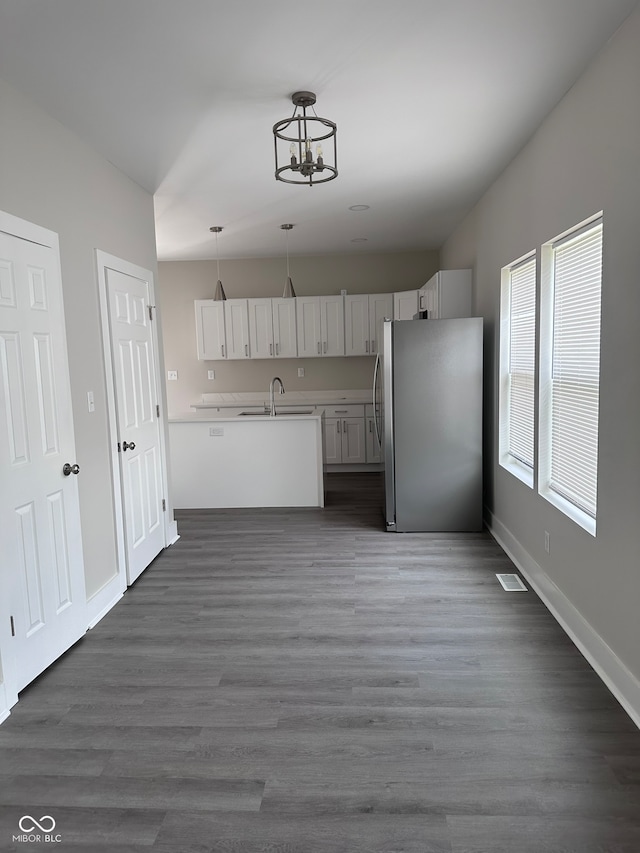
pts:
[512, 583]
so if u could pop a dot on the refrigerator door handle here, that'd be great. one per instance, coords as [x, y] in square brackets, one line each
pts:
[375, 409]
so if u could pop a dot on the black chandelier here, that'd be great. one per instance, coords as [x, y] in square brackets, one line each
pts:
[301, 157]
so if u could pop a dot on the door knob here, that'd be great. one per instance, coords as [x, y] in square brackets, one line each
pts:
[130, 446]
[70, 469]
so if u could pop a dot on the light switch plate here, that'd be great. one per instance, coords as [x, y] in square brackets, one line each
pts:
[300, 372]
[172, 375]
[211, 374]
[216, 430]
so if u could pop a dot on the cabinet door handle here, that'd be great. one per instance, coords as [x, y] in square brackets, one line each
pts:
[338, 426]
[318, 347]
[344, 426]
[246, 349]
[270, 349]
[223, 350]
[370, 425]
[373, 346]
[366, 346]
[325, 346]
[341, 411]
[277, 349]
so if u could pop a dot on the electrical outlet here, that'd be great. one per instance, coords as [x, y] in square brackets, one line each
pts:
[300, 372]
[216, 430]
[211, 374]
[546, 541]
[172, 375]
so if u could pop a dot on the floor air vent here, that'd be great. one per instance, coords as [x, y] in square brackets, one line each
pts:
[511, 583]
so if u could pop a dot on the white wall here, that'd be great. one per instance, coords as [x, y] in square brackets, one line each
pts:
[50, 177]
[182, 282]
[583, 158]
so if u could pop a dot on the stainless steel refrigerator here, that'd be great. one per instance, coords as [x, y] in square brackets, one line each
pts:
[428, 406]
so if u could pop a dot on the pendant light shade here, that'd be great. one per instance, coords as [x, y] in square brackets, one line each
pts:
[219, 295]
[288, 292]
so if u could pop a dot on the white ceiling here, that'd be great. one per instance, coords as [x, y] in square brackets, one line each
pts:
[432, 99]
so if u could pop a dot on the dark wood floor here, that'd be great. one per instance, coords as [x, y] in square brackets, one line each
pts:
[303, 682]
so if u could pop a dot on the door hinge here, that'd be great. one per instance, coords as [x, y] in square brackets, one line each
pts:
[13, 627]
[150, 311]
[164, 505]
[158, 409]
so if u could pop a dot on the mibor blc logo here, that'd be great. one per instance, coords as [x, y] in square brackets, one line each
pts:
[37, 830]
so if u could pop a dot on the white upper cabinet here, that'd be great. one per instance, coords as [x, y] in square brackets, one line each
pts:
[405, 305]
[332, 324]
[320, 325]
[363, 314]
[380, 309]
[447, 295]
[236, 321]
[356, 324]
[285, 343]
[260, 328]
[210, 334]
[309, 334]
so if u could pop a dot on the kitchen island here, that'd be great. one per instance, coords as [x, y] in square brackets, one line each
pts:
[246, 461]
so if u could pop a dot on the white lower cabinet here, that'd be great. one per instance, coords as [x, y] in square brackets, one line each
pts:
[353, 440]
[332, 441]
[344, 435]
[372, 449]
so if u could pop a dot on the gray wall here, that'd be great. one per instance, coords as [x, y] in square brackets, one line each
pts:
[182, 282]
[50, 177]
[583, 158]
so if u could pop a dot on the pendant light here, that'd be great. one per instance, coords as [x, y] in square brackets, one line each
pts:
[219, 295]
[295, 138]
[289, 292]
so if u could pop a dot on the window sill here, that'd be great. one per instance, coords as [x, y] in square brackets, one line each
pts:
[573, 512]
[518, 469]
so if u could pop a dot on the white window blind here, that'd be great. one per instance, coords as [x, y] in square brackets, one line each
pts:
[521, 370]
[575, 367]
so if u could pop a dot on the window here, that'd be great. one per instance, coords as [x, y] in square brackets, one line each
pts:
[517, 363]
[570, 372]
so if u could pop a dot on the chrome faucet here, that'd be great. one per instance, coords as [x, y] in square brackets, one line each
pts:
[271, 393]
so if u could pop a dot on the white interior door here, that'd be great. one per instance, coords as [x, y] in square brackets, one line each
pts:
[41, 570]
[138, 423]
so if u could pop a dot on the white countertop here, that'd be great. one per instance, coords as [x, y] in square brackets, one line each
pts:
[290, 398]
[204, 417]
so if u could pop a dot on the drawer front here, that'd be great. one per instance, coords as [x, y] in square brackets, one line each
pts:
[353, 411]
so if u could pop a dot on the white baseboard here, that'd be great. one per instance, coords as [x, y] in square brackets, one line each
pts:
[613, 672]
[101, 603]
[172, 533]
